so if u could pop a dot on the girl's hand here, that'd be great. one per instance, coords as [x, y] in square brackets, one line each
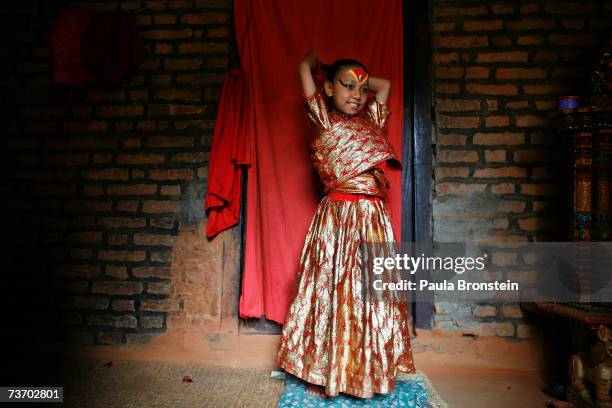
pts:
[305, 68]
[311, 60]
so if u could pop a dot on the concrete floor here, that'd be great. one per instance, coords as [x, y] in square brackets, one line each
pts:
[467, 372]
[477, 387]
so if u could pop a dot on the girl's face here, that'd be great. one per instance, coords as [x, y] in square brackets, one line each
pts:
[348, 95]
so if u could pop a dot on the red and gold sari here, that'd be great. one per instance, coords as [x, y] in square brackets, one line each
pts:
[333, 335]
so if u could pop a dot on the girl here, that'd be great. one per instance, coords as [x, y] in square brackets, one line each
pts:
[334, 337]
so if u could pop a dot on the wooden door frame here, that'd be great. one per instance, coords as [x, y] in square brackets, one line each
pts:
[417, 140]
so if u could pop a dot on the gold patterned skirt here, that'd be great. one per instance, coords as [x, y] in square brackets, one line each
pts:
[334, 334]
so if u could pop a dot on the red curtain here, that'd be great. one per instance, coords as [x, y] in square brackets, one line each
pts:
[283, 189]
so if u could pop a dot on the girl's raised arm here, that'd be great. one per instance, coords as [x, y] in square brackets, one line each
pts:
[381, 87]
[305, 68]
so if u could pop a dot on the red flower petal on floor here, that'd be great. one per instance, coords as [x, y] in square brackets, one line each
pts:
[187, 379]
[109, 364]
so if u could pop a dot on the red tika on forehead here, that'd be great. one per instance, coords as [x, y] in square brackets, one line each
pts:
[359, 74]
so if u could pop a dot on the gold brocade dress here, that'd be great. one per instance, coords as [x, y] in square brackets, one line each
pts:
[334, 335]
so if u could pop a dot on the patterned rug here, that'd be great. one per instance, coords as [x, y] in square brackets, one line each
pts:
[411, 390]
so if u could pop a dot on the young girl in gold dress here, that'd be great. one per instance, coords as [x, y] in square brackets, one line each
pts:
[334, 336]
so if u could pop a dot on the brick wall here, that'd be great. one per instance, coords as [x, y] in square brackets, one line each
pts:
[100, 194]
[498, 68]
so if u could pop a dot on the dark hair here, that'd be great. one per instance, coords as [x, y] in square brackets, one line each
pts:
[338, 65]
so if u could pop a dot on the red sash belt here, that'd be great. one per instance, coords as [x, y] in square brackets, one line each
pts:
[352, 197]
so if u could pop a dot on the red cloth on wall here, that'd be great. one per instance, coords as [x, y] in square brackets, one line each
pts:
[229, 151]
[283, 190]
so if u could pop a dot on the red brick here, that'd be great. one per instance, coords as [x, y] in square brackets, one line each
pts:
[492, 105]
[170, 141]
[461, 42]
[164, 19]
[571, 8]
[482, 25]
[452, 139]
[465, 122]
[529, 156]
[140, 158]
[503, 188]
[538, 223]
[183, 64]
[161, 206]
[153, 239]
[495, 156]
[122, 222]
[504, 258]
[116, 271]
[545, 56]
[510, 56]
[151, 322]
[167, 34]
[499, 138]
[132, 189]
[117, 239]
[485, 311]
[539, 189]
[171, 174]
[205, 18]
[456, 105]
[512, 206]
[449, 72]
[164, 48]
[159, 288]
[502, 9]
[573, 24]
[578, 40]
[159, 305]
[170, 190]
[446, 57]
[457, 156]
[444, 172]
[437, 27]
[93, 191]
[117, 288]
[477, 73]
[446, 88]
[492, 89]
[520, 73]
[502, 172]
[106, 174]
[461, 11]
[530, 24]
[529, 8]
[185, 157]
[460, 188]
[119, 111]
[496, 121]
[501, 41]
[127, 206]
[161, 79]
[151, 272]
[530, 40]
[531, 121]
[179, 94]
[204, 47]
[123, 305]
[121, 255]
[517, 105]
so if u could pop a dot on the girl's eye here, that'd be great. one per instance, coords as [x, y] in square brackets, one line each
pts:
[364, 89]
[348, 85]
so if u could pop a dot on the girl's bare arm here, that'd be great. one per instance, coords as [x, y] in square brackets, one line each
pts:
[305, 68]
[381, 87]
